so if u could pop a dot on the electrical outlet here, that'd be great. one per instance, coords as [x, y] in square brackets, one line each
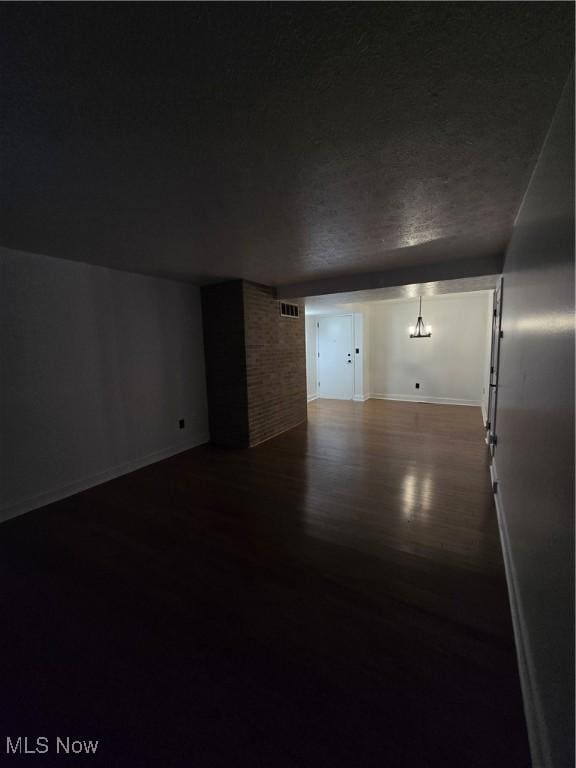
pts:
[417, 385]
[181, 423]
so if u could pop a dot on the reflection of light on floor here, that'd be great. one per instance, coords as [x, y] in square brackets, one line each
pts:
[426, 493]
[416, 494]
[408, 494]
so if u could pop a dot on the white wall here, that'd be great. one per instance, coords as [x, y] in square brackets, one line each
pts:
[450, 366]
[358, 356]
[534, 456]
[311, 358]
[366, 333]
[98, 366]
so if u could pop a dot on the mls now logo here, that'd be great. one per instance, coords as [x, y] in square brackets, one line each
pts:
[23, 745]
[75, 747]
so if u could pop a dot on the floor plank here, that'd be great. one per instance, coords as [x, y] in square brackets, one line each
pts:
[333, 597]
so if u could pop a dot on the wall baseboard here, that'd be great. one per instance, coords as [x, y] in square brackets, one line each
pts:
[401, 398]
[355, 398]
[334, 397]
[15, 509]
[534, 721]
[424, 399]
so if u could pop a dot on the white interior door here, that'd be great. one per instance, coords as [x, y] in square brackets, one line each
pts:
[335, 357]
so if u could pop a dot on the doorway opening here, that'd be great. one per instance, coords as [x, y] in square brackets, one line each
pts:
[363, 349]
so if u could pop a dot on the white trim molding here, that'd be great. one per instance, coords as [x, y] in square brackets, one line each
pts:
[532, 709]
[312, 397]
[360, 398]
[424, 399]
[484, 422]
[13, 509]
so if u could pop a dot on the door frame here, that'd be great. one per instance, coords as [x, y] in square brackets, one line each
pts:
[490, 425]
[317, 318]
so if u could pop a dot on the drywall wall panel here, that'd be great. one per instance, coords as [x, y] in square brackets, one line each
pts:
[98, 368]
[449, 367]
[535, 430]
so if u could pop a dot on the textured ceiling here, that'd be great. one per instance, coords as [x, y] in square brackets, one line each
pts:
[275, 142]
[317, 305]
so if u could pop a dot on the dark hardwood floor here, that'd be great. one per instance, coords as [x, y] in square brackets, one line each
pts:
[333, 597]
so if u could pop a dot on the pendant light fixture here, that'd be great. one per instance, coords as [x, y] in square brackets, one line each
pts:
[420, 331]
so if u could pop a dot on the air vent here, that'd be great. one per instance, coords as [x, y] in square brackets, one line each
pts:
[289, 310]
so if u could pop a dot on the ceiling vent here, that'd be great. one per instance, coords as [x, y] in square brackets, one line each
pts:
[289, 310]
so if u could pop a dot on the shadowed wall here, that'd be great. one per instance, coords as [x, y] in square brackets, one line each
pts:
[98, 368]
[535, 430]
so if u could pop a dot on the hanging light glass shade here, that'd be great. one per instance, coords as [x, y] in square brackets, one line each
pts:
[420, 331]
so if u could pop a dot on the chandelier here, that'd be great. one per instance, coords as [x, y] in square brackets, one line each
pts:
[420, 331]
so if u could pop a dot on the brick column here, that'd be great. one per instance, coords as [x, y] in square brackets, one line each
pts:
[255, 364]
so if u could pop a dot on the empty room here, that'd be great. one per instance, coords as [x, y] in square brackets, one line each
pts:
[287, 384]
